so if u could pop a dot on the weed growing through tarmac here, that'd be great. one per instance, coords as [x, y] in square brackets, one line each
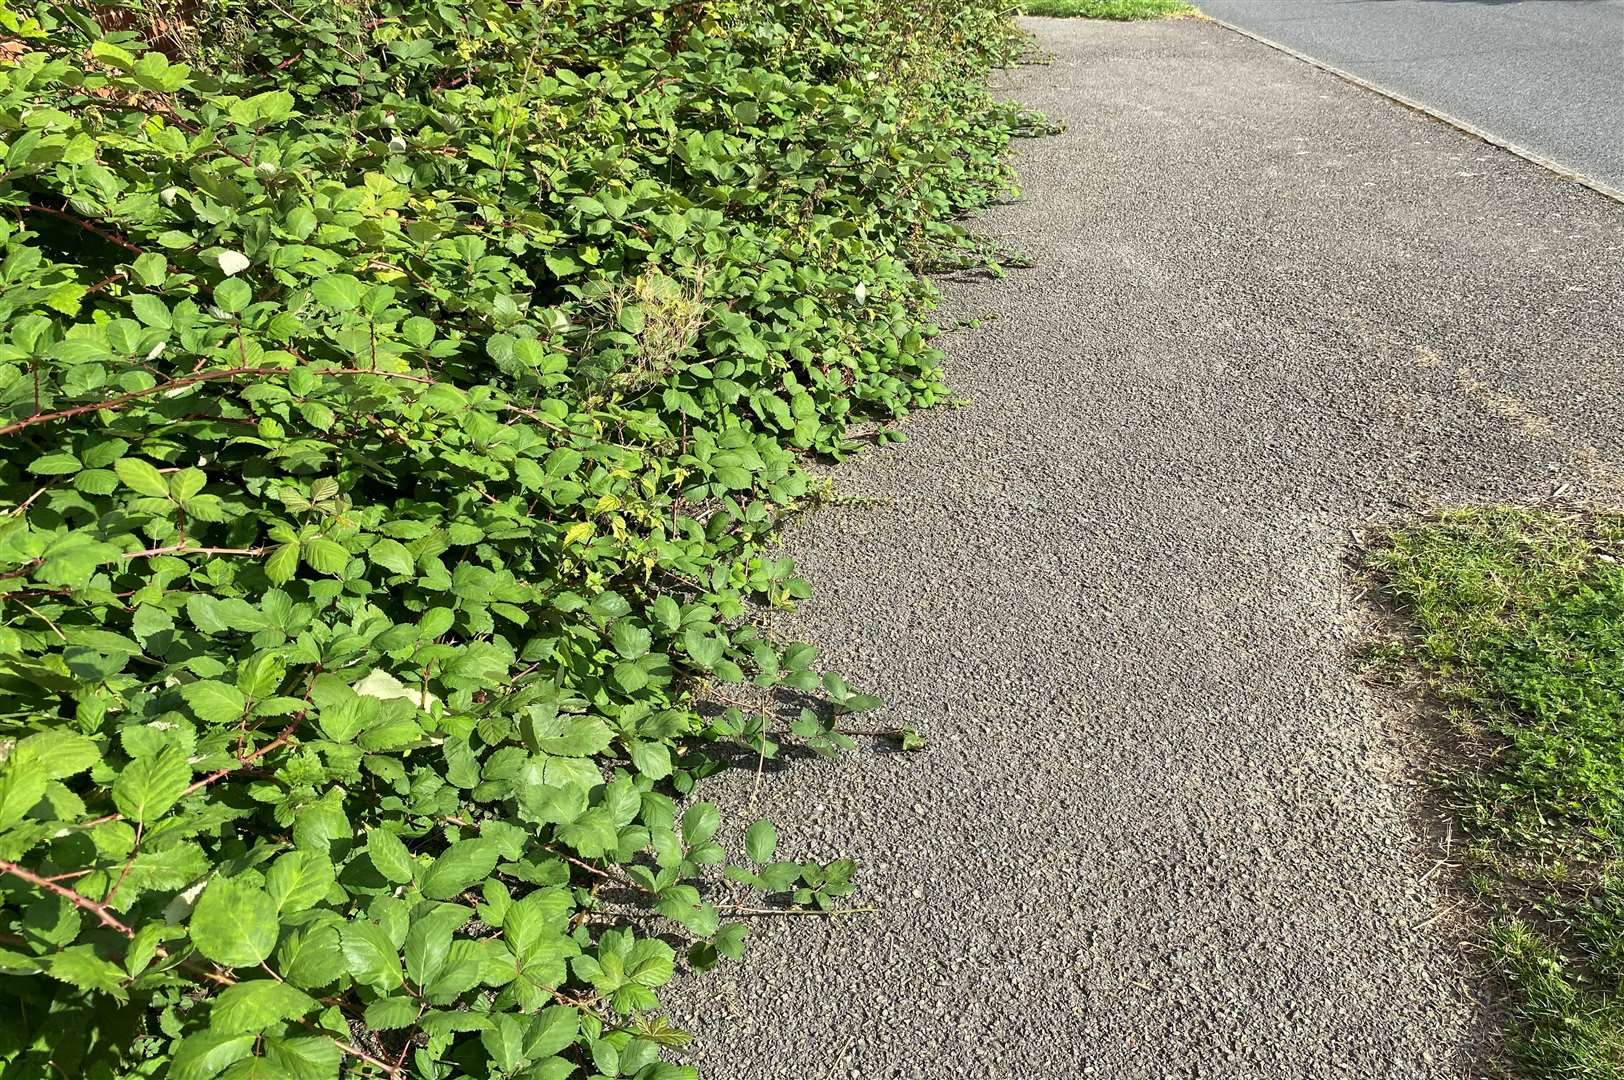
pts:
[1516, 629]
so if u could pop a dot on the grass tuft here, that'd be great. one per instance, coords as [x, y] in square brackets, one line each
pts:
[1516, 629]
[1121, 10]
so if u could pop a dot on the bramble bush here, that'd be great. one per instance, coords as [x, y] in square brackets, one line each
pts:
[398, 400]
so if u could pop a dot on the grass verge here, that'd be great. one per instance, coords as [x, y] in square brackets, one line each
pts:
[1514, 628]
[1121, 10]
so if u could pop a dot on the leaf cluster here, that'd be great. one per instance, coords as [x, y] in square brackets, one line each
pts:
[397, 403]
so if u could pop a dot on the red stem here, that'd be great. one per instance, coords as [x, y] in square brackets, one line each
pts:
[111, 238]
[84, 903]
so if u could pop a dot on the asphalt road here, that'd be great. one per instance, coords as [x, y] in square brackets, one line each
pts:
[1161, 830]
[1546, 75]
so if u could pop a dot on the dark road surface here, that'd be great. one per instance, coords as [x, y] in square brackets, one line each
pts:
[1546, 75]
[1161, 830]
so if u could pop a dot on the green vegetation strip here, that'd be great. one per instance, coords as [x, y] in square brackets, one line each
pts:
[397, 402]
[1121, 10]
[1518, 635]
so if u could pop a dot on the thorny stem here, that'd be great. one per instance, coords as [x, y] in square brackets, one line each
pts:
[83, 903]
[111, 238]
[281, 739]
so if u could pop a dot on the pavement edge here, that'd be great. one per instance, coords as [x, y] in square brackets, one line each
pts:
[1427, 110]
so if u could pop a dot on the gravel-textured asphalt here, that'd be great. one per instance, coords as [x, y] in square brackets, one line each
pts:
[1547, 75]
[1160, 830]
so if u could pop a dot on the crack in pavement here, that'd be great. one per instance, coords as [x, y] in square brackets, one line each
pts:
[1161, 829]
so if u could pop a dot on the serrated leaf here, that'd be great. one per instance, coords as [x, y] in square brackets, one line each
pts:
[232, 294]
[630, 641]
[700, 822]
[142, 477]
[593, 834]
[258, 1004]
[569, 736]
[283, 563]
[372, 959]
[307, 1057]
[215, 702]
[81, 967]
[22, 785]
[311, 959]
[56, 463]
[149, 785]
[206, 1054]
[461, 865]
[232, 262]
[341, 292]
[234, 923]
[389, 856]
[761, 841]
[59, 754]
[387, 1014]
[299, 880]
[392, 555]
[704, 648]
[325, 556]
[551, 1030]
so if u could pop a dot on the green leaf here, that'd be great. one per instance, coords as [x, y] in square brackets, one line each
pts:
[341, 292]
[462, 864]
[504, 1041]
[729, 940]
[149, 785]
[56, 463]
[308, 1057]
[462, 970]
[630, 641]
[651, 962]
[109, 53]
[700, 823]
[22, 786]
[391, 1013]
[185, 483]
[392, 555]
[205, 1054]
[761, 841]
[257, 1005]
[372, 959]
[81, 967]
[325, 556]
[389, 856]
[703, 648]
[283, 563]
[593, 834]
[232, 295]
[59, 754]
[142, 477]
[571, 736]
[262, 110]
[151, 270]
[299, 880]
[553, 1029]
[630, 676]
[311, 959]
[215, 702]
[652, 759]
[234, 923]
